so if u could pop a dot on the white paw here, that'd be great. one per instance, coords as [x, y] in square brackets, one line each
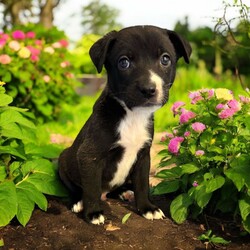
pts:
[78, 207]
[99, 220]
[156, 215]
[127, 196]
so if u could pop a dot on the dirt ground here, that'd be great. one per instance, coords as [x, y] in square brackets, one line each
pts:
[59, 228]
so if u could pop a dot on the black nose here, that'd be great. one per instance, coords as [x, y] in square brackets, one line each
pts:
[148, 91]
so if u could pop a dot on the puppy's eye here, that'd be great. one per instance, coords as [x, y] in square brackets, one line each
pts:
[165, 59]
[123, 63]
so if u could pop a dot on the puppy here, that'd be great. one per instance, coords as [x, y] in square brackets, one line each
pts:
[113, 147]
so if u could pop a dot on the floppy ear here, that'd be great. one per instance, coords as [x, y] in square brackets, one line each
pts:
[182, 47]
[99, 50]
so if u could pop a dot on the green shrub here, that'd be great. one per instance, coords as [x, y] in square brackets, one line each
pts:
[26, 173]
[82, 60]
[190, 79]
[207, 157]
[38, 72]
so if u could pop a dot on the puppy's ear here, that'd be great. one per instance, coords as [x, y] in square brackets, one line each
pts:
[182, 47]
[99, 50]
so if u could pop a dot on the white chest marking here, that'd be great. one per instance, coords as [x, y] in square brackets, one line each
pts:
[133, 131]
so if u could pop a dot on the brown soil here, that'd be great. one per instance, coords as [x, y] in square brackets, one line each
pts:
[59, 228]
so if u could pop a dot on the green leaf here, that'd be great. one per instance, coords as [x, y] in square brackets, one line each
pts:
[33, 194]
[179, 208]
[214, 184]
[201, 196]
[13, 116]
[25, 207]
[125, 218]
[172, 173]
[6, 77]
[3, 173]
[189, 168]
[246, 224]
[41, 166]
[165, 187]
[13, 130]
[5, 99]
[239, 172]
[12, 151]
[14, 166]
[8, 202]
[1, 243]
[48, 151]
[215, 149]
[219, 240]
[244, 206]
[53, 185]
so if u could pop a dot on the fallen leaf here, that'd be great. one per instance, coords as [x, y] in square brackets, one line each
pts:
[125, 218]
[110, 227]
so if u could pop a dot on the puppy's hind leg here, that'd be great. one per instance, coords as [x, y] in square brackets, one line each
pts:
[91, 182]
[75, 192]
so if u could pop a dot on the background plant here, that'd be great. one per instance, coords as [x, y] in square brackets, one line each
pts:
[26, 171]
[207, 159]
[37, 70]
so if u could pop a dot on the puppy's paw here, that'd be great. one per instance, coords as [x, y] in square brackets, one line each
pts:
[98, 219]
[154, 215]
[127, 196]
[78, 207]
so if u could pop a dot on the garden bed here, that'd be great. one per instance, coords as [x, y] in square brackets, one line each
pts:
[59, 228]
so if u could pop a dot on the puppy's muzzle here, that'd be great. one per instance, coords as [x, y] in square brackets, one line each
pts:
[148, 91]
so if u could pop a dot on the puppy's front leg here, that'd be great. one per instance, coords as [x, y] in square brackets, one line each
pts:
[140, 178]
[91, 192]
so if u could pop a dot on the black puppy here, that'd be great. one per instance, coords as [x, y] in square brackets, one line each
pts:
[113, 147]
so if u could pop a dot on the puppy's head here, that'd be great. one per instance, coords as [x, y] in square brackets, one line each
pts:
[140, 63]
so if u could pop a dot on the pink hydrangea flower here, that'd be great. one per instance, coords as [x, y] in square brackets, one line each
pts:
[186, 115]
[176, 107]
[199, 153]
[234, 104]
[227, 113]
[64, 64]
[195, 184]
[198, 127]
[169, 135]
[34, 53]
[18, 35]
[244, 99]
[2, 42]
[187, 133]
[64, 43]
[221, 106]
[195, 97]
[5, 59]
[174, 144]
[30, 34]
[4, 36]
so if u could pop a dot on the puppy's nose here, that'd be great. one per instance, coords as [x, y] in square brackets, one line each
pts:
[148, 91]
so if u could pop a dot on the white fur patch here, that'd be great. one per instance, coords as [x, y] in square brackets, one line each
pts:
[159, 84]
[157, 215]
[133, 131]
[99, 220]
[78, 207]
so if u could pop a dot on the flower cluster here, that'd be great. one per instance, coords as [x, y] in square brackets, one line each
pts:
[37, 72]
[206, 160]
[221, 104]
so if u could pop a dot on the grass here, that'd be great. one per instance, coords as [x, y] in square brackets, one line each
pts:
[187, 79]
